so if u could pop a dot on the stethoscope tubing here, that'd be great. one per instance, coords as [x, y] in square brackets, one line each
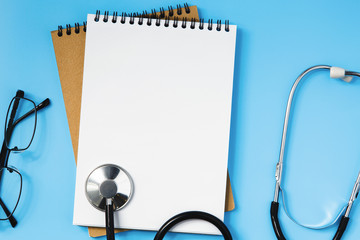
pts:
[169, 224]
[193, 215]
[109, 220]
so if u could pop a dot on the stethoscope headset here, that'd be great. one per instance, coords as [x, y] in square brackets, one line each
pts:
[109, 188]
[335, 72]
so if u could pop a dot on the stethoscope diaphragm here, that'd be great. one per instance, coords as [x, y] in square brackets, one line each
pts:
[109, 188]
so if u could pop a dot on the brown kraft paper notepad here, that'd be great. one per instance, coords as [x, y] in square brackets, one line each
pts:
[69, 51]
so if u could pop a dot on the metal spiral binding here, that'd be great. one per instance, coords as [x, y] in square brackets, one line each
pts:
[179, 10]
[227, 24]
[150, 17]
[60, 33]
[123, 17]
[157, 21]
[141, 18]
[210, 23]
[167, 20]
[192, 25]
[97, 16]
[145, 14]
[162, 12]
[218, 25]
[171, 11]
[132, 18]
[68, 29]
[153, 15]
[77, 28]
[201, 24]
[106, 16]
[114, 19]
[187, 9]
[183, 25]
[175, 22]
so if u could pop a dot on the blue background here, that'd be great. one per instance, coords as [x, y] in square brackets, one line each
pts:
[276, 41]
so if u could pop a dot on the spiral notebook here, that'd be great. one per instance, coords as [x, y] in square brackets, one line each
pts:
[156, 101]
[69, 46]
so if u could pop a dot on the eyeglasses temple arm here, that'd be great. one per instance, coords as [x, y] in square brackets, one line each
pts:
[4, 152]
[12, 219]
[18, 95]
[41, 105]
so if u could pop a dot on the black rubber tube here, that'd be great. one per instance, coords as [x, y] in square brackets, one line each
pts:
[193, 215]
[341, 229]
[110, 234]
[275, 220]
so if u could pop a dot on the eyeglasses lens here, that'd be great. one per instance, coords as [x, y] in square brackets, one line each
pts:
[10, 189]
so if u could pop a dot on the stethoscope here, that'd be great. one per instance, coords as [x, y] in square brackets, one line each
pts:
[109, 188]
[335, 72]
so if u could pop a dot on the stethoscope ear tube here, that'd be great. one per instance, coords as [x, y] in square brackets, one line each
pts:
[275, 220]
[341, 229]
[193, 215]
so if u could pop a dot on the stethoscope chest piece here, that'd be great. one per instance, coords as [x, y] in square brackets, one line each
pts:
[109, 188]
[109, 182]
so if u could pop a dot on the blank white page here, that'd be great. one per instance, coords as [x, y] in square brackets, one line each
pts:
[156, 101]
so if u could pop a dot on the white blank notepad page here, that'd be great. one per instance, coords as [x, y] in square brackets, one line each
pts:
[157, 102]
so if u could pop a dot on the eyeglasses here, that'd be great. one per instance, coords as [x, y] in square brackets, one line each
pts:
[17, 138]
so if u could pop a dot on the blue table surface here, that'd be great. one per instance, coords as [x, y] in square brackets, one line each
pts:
[276, 41]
